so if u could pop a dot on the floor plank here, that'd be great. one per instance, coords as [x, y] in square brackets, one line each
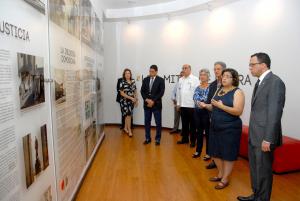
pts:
[126, 170]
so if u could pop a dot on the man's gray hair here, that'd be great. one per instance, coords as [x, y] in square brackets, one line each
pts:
[205, 70]
[221, 63]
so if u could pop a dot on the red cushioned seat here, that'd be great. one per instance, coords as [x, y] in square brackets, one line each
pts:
[286, 157]
[244, 142]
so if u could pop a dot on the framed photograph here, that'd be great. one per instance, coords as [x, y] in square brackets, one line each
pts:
[37, 4]
[28, 162]
[37, 161]
[44, 140]
[60, 86]
[31, 76]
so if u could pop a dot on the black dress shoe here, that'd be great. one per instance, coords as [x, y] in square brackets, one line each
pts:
[157, 143]
[183, 142]
[212, 165]
[173, 131]
[249, 198]
[192, 145]
[196, 155]
[147, 141]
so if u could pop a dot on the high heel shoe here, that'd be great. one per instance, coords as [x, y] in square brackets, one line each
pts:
[130, 134]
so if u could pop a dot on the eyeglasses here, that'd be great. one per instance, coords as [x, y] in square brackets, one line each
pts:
[253, 64]
[226, 76]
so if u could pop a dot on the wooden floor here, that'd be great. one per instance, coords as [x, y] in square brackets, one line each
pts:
[126, 170]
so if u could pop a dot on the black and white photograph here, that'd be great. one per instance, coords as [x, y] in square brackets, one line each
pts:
[87, 107]
[44, 139]
[31, 76]
[98, 44]
[28, 160]
[60, 86]
[37, 4]
[65, 13]
[86, 22]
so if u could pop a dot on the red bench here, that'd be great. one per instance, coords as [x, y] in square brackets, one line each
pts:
[286, 157]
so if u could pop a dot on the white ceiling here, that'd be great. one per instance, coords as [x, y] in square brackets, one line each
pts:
[112, 4]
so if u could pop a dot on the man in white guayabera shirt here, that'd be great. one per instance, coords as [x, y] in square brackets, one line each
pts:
[185, 91]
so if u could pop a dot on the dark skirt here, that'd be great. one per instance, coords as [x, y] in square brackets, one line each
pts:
[225, 143]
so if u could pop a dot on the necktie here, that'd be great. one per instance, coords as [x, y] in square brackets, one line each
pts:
[255, 87]
[151, 83]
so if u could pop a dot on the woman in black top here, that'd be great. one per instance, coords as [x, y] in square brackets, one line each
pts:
[128, 99]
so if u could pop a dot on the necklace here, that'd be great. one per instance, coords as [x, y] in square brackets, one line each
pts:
[222, 92]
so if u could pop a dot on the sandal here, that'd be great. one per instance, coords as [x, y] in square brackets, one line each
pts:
[206, 157]
[215, 179]
[221, 185]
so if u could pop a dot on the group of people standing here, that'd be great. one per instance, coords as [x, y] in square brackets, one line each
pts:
[213, 110]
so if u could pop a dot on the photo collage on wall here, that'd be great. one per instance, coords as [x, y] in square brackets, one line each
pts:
[31, 76]
[36, 158]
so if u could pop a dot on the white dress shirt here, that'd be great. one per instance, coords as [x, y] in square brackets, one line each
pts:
[185, 91]
[262, 76]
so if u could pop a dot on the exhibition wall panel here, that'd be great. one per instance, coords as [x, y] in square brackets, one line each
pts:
[26, 151]
[51, 110]
[75, 49]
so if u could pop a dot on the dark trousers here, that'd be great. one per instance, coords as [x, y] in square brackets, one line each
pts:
[188, 128]
[261, 172]
[176, 118]
[202, 124]
[157, 118]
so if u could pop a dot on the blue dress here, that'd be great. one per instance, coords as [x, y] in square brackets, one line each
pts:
[225, 130]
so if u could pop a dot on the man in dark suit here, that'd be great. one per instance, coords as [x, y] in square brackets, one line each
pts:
[219, 66]
[118, 100]
[265, 132]
[152, 90]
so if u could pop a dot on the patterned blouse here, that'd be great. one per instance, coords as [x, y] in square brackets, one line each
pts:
[200, 95]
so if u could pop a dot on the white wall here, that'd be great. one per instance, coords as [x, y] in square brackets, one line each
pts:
[231, 34]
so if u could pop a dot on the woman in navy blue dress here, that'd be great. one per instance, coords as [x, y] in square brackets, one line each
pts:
[226, 126]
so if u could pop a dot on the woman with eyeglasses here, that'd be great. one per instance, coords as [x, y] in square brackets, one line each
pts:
[201, 115]
[226, 126]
